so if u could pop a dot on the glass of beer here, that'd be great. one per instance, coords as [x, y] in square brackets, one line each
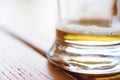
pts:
[87, 36]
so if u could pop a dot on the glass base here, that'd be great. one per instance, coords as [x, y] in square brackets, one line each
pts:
[85, 59]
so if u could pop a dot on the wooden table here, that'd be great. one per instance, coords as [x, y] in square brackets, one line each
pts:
[18, 61]
[27, 32]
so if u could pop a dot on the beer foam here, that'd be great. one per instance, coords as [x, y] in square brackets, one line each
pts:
[91, 30]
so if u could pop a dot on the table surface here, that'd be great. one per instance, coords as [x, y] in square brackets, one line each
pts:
[26, 33]
[18, 61]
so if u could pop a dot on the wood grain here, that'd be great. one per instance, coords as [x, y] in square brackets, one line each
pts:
[20, 62]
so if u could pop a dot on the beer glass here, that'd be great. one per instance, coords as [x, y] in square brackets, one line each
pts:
[87, 36]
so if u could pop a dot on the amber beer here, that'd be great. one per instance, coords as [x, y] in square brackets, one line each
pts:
[88, 37]
[71, 38]
[63, 36]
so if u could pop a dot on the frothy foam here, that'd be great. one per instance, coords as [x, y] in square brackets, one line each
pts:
[90, 30]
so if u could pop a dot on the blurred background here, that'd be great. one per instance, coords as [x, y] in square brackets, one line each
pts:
[32, 20]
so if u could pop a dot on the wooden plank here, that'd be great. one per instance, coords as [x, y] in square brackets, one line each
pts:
[20, 62]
